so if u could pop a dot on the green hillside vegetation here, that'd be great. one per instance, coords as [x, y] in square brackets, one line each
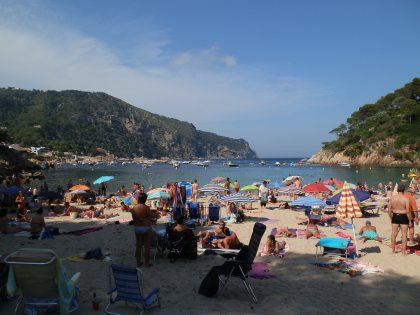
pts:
[391, 126]
[81, 122]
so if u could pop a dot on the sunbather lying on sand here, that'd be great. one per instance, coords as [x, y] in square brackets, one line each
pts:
[284, 231]
[368, 232]
[326, 219]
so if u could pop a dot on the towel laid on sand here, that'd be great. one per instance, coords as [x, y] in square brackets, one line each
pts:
[260, 271]
[351, 267]
[84, 231]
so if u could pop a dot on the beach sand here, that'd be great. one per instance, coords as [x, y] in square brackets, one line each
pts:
[300, 287]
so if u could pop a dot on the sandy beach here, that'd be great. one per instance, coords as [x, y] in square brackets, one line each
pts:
[300, 287]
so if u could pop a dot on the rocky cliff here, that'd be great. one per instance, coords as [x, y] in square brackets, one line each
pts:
[80, 122]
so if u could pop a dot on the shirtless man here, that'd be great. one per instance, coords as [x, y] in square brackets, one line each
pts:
[221, 232]
[368, 232]
[229, 242]
[194, 193]
[143, 219]
[398, 211]
[37, 222]
[410, 195]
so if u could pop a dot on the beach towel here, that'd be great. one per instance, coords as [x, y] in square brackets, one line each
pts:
[342, 235]
[353, 268]
[84, 231]
[299, 233]
[260, 271]
[347, 226]
[409, 250]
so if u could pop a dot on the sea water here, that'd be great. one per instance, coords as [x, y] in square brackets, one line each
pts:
[248, 172]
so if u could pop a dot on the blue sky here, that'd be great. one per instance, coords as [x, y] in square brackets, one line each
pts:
[280, 74]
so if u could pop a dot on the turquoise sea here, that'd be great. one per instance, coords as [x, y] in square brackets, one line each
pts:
[248, 172]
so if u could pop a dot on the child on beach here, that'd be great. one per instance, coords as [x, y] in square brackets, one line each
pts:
[272, 247]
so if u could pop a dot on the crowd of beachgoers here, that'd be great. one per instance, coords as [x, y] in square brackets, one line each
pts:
[218, 215]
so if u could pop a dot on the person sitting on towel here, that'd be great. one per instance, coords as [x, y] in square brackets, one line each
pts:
[272, 247]
[312, 231]
[368, 232]
[229, 242]
[284, 231]
[219, 233]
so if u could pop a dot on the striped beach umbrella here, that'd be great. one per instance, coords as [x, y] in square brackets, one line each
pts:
[211, 188]
[238, 197]
[309, 202]
[349, 208]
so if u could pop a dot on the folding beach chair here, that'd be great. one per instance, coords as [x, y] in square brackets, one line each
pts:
[40, 279]
[213, 214]
[127, 283]
[194, 211]
[338, 247]
[242, 263]
[314, 219]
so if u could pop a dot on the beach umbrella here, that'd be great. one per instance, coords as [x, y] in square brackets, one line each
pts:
[315, 188]
[331, 188]
[290, 180]
[350, 185]
[158, 190]
[130, 200]
[290, 190]
[238, 197]
[218, 179]
[249, 188]
[359, 195]
[79, 187]
[102, 179]
[78, 192]
[309, 202]
[211, 188]
[349, 208]
[158, 195]
[334, 181]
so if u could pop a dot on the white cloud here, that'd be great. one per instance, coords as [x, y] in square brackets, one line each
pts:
[199, 87]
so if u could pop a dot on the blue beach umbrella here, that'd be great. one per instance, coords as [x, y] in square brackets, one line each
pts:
[359, 195]
[274, 185]
[14, 190]
[130, 200]
[158, 195]
[102, 179]
[309, 202]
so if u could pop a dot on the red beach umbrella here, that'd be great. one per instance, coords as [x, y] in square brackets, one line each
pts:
[315, 188]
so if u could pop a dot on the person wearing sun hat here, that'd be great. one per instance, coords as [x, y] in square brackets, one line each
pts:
[368, 232]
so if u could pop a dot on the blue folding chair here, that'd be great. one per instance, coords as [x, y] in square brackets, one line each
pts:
[213, 214]
[194, 211]
[128, 286]
[338, 247]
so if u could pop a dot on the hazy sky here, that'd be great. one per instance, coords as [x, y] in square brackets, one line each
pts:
[280, 74]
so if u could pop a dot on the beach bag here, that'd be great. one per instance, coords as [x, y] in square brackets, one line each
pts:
[264, 199]
[210, 284]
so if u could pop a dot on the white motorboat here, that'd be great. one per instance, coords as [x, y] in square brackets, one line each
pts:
[345, 164]
[230, 164]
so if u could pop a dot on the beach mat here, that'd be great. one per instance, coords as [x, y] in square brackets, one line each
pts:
[260, 271]
[84, 231]
[353, 268]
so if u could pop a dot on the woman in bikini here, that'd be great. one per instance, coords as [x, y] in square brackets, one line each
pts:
[143, 219]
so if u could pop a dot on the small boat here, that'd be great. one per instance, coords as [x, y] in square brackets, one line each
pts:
[230, 164]
[345, 164]
[262, 162]
[277, 164]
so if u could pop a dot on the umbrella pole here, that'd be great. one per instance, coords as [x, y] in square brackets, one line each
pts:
[355, 239]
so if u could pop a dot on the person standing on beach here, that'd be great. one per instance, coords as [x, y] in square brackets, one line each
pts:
[227, 186]
[143, 219]
[194, 191]
[398, 211]
[263, 194]
[412, 208]
[236, 186]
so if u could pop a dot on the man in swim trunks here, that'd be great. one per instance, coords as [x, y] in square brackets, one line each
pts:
[194, 191]
[398, 211]
[229, 242]
[219, 233]
[368, 232]
[410, 195]
[143, 219]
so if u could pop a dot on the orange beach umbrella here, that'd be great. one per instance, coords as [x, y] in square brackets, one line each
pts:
[79, 187]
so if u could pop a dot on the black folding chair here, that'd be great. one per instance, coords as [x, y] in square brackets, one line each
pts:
[242, 263]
